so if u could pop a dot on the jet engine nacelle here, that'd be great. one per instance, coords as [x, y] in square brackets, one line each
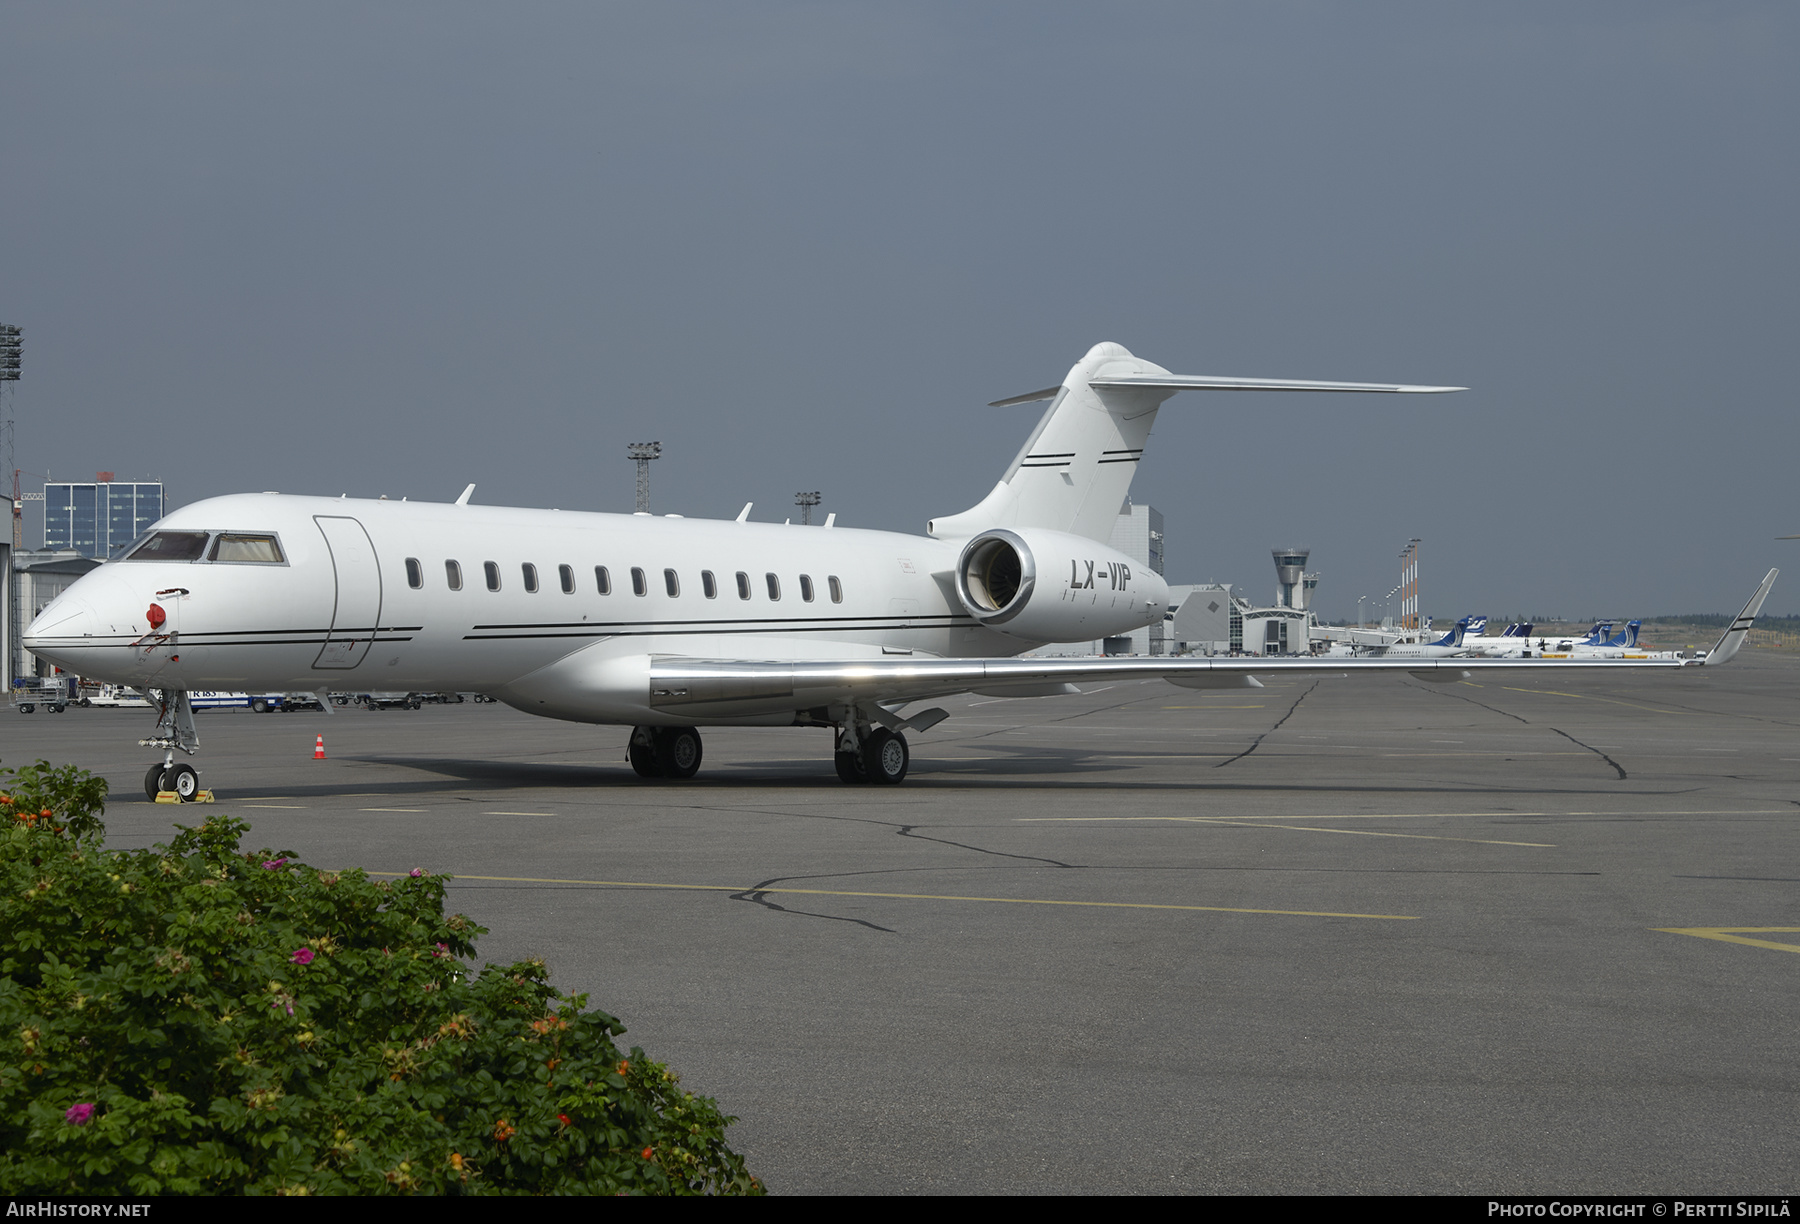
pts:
[1047, 586]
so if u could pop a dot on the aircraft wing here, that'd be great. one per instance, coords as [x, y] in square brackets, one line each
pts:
[724, 687]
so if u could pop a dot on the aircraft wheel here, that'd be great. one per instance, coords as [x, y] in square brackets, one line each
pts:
[850, 767]
[184, 782]
[885, 757]
[153, 782]
[678, 751]
[643, 759]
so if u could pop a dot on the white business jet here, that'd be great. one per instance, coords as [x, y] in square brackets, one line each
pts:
[669, 624]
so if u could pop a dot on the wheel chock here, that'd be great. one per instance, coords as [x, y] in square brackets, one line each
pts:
[204, 796]
[167, 797]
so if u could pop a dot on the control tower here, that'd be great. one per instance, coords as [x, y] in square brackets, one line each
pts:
[1290, 566]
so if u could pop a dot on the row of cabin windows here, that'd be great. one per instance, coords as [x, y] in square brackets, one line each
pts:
[640, 583]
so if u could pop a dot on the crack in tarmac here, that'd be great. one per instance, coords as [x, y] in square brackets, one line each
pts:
[1591, 749]
[1620, 769]
[1257, 742]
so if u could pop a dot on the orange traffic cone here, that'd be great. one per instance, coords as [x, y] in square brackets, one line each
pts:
[319, 749]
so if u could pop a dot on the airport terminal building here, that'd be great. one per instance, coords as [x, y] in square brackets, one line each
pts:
[100, 518]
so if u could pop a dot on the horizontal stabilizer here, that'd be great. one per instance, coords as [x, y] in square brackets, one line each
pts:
[1032, 398]
[1201, 382]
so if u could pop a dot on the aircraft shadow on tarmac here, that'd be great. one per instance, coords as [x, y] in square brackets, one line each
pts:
[1011, 767]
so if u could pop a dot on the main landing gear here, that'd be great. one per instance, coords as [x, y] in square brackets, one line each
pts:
[879, 756]
[665, 752]
[863, 753]
[174, 730]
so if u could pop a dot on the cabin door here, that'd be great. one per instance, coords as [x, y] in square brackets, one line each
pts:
[358, 607]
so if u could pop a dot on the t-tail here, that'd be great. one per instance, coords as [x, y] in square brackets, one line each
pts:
[1075, 470]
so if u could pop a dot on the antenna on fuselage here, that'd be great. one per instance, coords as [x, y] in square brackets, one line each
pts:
[464, 499]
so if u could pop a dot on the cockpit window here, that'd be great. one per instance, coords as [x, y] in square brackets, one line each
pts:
[170, 546]
[231, 546]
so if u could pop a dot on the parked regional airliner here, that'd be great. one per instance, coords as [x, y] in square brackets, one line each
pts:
[669, 624]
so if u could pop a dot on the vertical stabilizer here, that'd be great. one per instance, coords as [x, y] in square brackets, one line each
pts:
[1074, 471]
[1076, 468]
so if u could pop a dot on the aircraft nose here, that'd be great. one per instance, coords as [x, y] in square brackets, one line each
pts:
[66, 616]
[96, 607]
[62, 631]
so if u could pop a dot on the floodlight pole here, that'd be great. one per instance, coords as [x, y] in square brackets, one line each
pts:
[806, 501]
[9, 373]
[642, 453]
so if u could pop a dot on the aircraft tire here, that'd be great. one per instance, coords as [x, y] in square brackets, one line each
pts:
[184, 782]
[885, 757]
[643, 759]
[850, 767]
[678, 751]
[153, 782]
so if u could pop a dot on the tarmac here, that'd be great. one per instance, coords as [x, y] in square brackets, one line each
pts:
[1366, 935]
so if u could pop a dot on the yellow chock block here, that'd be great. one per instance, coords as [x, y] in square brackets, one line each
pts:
[204, 796]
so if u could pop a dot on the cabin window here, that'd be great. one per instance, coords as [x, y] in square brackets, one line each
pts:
[837, 589]
[453, 575]
[415, 573]
[743, 585]
[530, 572]
[709, 584]
[567, 574]
[233, 548]
[638, 585]
[492, 569]
[603, 579]
[170, 546]
[774, 586]
[806, 591]
[671, 583]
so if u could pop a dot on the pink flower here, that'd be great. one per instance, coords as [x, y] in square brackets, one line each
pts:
[303, 957]
[78, 1115]
[416, 872]
[441, 950]
[275, 864]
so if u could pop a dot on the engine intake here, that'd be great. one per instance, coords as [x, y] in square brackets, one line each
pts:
[995, 576]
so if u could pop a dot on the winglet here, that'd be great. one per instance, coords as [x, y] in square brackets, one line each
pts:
[464, 499]
[1740, 628]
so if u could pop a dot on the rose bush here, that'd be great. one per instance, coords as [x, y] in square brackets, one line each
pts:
[196, 1019]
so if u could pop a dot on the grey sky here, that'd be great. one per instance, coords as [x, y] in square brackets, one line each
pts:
[395, 249]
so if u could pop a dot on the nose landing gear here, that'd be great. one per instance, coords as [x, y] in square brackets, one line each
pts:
[181, 780]
[174, 730]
